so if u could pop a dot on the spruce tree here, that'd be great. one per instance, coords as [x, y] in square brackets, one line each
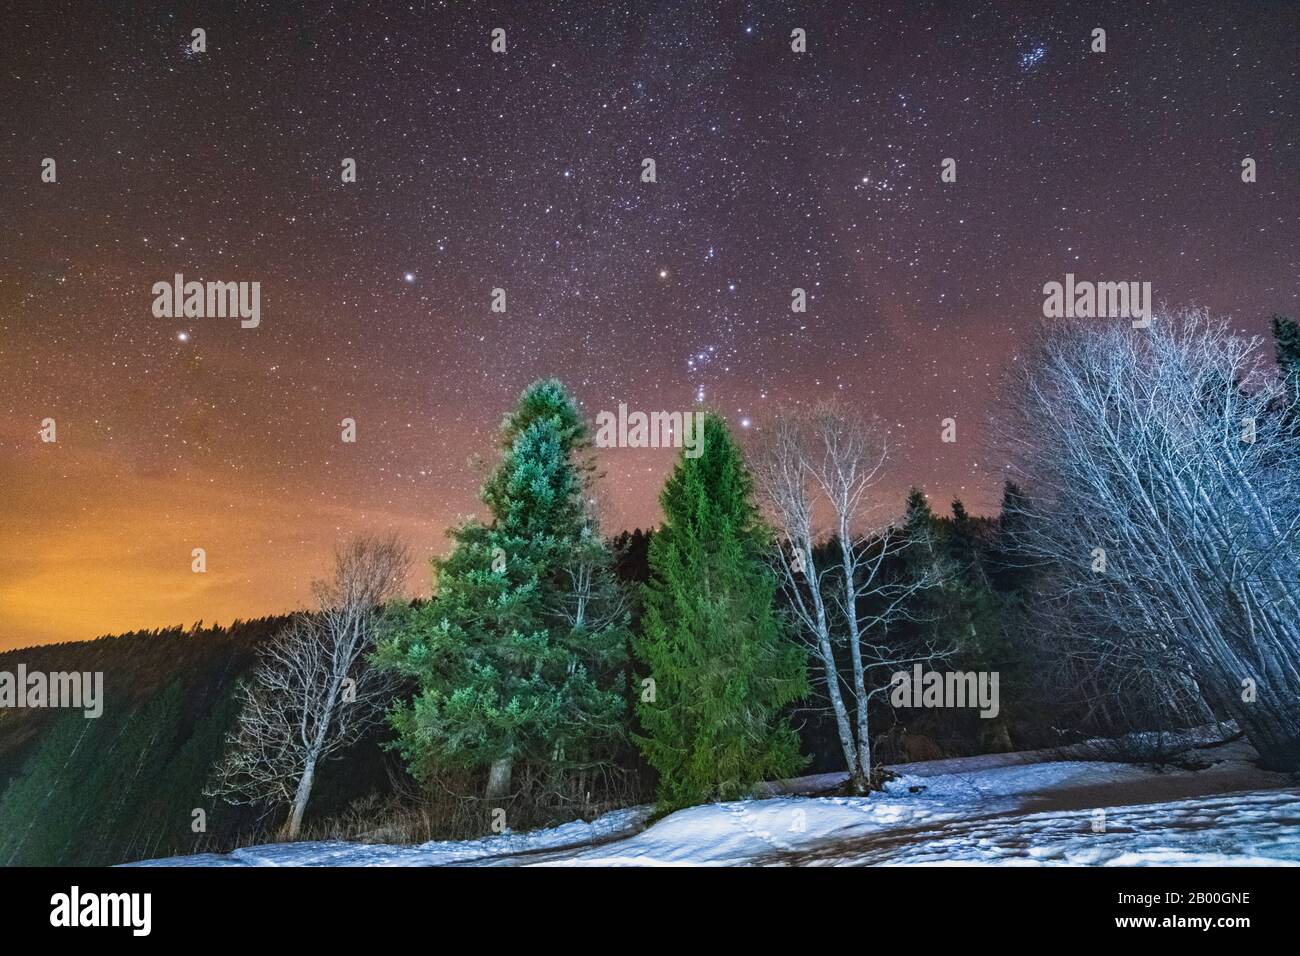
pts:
[720, 657]
[919, 517]
[516, 656]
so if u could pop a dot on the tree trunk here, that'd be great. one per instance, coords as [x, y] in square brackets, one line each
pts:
[858, 783]
[498, 786]
[1273, 729]
[860, 769]
[300, 799]
[837, 706]
[821, 630]
[862, 782]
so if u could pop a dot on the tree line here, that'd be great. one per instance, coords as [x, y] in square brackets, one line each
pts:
[1143, 574]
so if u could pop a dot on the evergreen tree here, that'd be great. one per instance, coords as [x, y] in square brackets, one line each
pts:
[1010, 569]
[1014, 501]
[1286, 338]
[960, 516]
[922, 551]
[79, 796]
[38, 807]
[1286, 335]
[718, 653]
[972, 611]
[919, 516]
[962, 545]
[950, 615]
[124, 786]
[513, 656]
[632, 556]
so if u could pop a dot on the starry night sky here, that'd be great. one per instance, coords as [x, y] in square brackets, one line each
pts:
[522, 170]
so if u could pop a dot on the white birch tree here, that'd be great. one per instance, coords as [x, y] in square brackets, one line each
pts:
[1165, 486]
[829, 459]
[313, 692]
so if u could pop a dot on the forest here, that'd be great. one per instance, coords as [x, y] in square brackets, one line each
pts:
[1141, 578]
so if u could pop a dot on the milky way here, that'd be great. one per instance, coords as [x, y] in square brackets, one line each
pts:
[522, 171]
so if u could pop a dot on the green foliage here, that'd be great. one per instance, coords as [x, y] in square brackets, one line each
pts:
[919, 516]
[124, 786]
[86, 794]
[517, 655]
[962, 612]
[722, 664]
[972, 605]
[964, 616]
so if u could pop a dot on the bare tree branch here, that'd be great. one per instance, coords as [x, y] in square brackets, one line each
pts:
[312, 692]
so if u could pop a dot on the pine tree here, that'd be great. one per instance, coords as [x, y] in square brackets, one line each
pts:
[516, 655]
[719, 656]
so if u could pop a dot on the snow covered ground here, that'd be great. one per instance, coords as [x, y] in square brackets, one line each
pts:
[438, 853]
[1024, 808]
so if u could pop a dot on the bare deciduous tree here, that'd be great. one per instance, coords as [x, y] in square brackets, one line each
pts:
[831, 457]
[1165, 485]
[313, 692]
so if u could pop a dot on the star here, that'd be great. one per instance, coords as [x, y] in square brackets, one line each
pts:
[820, 173]
[1032, 58]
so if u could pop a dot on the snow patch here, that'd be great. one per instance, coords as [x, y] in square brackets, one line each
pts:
[1031, 808]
